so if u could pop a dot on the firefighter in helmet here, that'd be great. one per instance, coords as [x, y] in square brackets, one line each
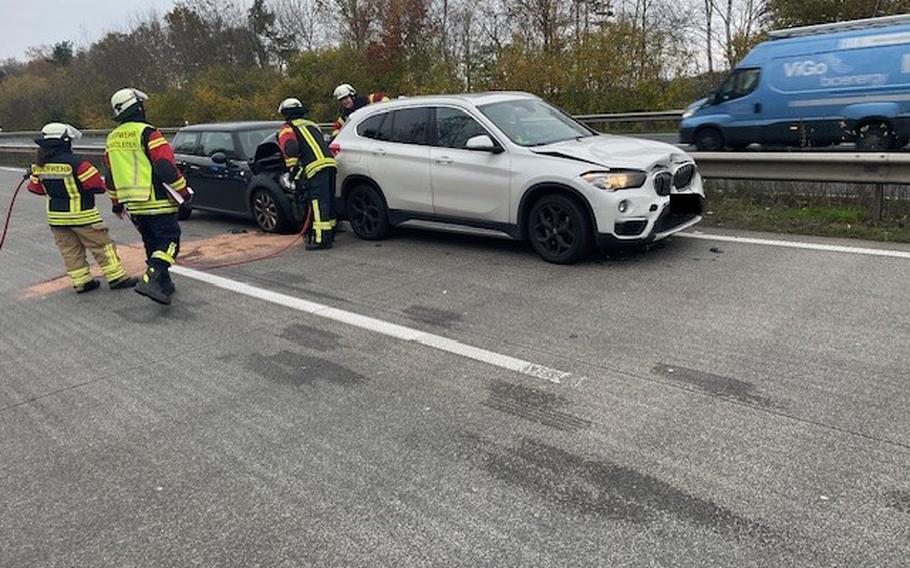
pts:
[351, 101]
[143, 180]
[311, 169]
[70, 184]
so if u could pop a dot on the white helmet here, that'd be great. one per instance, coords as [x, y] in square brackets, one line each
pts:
[289, 103]
[59, 131]
[125, 98]
[344, 90]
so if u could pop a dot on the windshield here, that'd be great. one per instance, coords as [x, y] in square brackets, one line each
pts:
[530, 122]
[250, 139]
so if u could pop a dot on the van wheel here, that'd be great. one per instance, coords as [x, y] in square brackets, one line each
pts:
[874, 136]
[559, 230]
[367, 213]
[709, 140]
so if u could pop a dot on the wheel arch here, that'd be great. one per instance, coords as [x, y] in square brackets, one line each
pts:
[537, 191]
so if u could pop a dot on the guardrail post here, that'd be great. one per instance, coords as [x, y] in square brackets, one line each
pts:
[878, 203]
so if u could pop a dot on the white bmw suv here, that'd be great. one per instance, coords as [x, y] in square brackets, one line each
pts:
[512, 163]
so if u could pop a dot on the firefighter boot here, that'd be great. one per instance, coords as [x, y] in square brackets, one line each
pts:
[88, 286]
[122, 283]
[328, 238]
[152, 287]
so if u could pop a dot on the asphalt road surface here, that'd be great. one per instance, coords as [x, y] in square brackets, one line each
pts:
[452, 400]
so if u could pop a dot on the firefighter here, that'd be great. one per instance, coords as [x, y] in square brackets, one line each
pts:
[311, 168]
[351, 101]
[141, 171]
[70, 184]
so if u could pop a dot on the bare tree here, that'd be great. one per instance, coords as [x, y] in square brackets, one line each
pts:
[301, 23]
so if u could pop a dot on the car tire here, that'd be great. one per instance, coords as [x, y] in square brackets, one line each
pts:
[709, 140]
[367, 213]
[184, 212]
[875, 136]
[559, 229]
[266, 212]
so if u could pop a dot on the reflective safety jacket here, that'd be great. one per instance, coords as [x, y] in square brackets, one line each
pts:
[359, 103]
[139, 161]
[304, 148]
[70, 184]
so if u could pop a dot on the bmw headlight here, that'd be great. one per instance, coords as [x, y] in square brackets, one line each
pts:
[611, 181]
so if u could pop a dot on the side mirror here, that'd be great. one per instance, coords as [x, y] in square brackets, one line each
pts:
[482, 143]
[219, 158]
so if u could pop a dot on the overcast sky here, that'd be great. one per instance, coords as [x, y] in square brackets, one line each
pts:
[31, 23]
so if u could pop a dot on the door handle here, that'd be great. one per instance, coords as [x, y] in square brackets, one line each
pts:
[757, 108]
[379, 151]
[443, 160]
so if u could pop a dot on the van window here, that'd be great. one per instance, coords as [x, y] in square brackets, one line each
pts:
[738, 84]
[455, 127]
[410, 126]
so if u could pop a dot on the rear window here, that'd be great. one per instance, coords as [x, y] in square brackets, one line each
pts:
[372, 127]
[409, 126]
[218, 142]
[251, 139]
[186, 142]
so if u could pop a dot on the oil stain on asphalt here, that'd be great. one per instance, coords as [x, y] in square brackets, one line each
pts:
[600, 488]
[311, 337]
[899, 500]
[148, 313]
[296, 369]
[432, 316]
[535, 405]
[716, 385]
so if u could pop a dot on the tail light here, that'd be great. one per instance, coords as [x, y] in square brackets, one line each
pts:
[335, 148]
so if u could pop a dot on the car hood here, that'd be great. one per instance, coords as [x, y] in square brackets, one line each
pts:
[618, 152]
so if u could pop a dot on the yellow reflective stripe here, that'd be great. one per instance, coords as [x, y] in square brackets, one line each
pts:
[291, 162]
[151, 209]
[80, 276]
[156, 143]
[63, 219]
[172, 249]
[308, 136]
[113, 269]
[317, 221]
[88, 174]
[180, 184]
[318, 165]
[163, 256]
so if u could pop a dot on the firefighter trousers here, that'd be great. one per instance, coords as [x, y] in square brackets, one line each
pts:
[73, 242]
[321, 188]
[161, 237]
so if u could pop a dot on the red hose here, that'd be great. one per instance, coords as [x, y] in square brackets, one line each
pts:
[274, 253]
[9, 213]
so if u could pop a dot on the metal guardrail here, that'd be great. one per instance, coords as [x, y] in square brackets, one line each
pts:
[860, 168]
[659, 116]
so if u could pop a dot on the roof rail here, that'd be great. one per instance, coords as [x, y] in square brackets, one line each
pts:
[840, 26]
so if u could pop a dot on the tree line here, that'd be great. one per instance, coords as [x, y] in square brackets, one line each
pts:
[215, 60]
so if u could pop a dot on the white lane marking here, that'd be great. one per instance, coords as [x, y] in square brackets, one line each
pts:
[380, 326]
[15, 170]
[799, 245]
